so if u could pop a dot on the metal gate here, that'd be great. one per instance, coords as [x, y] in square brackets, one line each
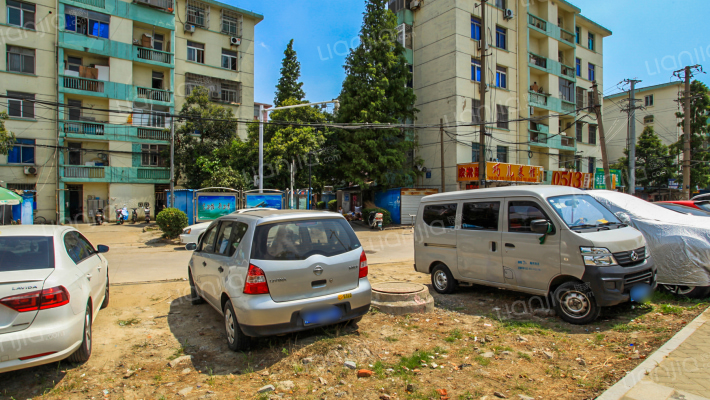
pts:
[410, 200]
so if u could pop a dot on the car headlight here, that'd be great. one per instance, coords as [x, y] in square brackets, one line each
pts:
[187, 231]
[598, 256]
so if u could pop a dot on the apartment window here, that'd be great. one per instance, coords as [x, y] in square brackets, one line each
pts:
[566, 90]
[158, 42]
[74, 110]
[580, 97]
[152, 155]
[577, 34]
[195, 52]
[85, 22]
[20, 105]
[475, 28]
[592, 134]
[475, 70]
[501, 38]
[579, 66]
[230, 92]
[198, 13]
[578, 130]
[590, 99]
[23, 152]
[231, 23]
[578, 164]
[500, 4]
[476, 111]
[648, 100]
[158, 78]
[229, 59]
[502, 121]
[20, 59]
[475, 151]
[592, 72]
[73, 64]
[592, 165]
[21, 14]
[502, 77]
[590, 39]
[502, 154]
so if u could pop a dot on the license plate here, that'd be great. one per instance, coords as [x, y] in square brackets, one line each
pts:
[345, 296]
[322, 316]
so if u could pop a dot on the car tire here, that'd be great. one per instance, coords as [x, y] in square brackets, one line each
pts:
[82, 354]
[104, 304]
[236, 339]
[443, 280]
[195, 298]
[691, 292]
[574, 302]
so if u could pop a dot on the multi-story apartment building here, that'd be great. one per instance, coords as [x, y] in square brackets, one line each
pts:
[542, 58]
[119, 69]
[660, 105]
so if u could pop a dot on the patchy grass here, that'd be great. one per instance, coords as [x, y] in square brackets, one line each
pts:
[391, 339]
[670, 309]
[454, 335]
[129, 322]
[525, 327]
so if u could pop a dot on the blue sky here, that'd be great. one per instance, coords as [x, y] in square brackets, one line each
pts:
[649, 42]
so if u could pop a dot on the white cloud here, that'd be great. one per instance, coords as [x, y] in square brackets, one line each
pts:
[262, 44]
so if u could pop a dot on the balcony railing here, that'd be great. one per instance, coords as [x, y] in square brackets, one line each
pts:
[567, 141]
[538, 137]
[153, 134]
[537, 99]
[83, 128]
[537, 22]
[568, 106]
[145, 53]
[162, 4]
[83, 172]
[538, 127]
[568, 71]
[567, 36]
[153, 94]
[95, 3]
[89, 85]
[537, 60]
[146, 173]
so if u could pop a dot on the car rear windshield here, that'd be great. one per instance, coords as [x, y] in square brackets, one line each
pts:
[19, 253]
[704, 205]
[298, 240]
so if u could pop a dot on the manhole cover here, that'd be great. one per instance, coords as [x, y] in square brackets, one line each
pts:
[397, 287]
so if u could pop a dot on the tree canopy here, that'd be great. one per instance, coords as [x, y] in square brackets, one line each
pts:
[7, 138]
[655, 163]
[700, 153]
[289, 87]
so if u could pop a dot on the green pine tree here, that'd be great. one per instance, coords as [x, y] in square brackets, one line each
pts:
[375, 91]
[7, 138]
[655, 162]
[289, 87]
[699, 140]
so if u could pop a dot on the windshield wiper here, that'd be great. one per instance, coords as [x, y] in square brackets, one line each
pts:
[332, 233]
[583, 226]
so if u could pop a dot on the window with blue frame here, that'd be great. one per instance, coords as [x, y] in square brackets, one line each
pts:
[578, 34]
[501, 38]
[475, 28]
[475, 70]
[502, 77]
[86, 22]
[475, 152]
[590, 39]
[23, 152]
[579, 67]
[592, 73]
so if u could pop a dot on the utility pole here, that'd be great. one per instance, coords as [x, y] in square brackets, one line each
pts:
[687, 74]
[602, 138]
[262, 119]
[172, 164]
[441, 141]
[632, 134]
[482, 92]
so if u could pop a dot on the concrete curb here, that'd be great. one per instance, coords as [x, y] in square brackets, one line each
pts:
[633, 378]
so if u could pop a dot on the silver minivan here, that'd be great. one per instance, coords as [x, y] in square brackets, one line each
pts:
[552, 241]
[271, 272]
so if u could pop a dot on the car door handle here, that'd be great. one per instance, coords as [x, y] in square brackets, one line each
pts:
[88, 276]
[510, 245]
[98, 268]
[493, 246]
[220, 269]
[204, 263]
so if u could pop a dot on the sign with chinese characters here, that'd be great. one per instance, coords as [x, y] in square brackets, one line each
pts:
[579, 180]
[500, 172]
[599, 182]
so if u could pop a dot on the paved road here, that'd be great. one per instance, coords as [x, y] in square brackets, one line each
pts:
[137, 256]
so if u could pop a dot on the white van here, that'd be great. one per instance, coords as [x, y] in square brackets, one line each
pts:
[543, 240]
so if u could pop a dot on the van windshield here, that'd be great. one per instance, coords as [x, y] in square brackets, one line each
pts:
[298, 240]
[582, 211]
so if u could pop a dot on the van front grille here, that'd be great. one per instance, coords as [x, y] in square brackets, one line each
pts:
[626, 258]
[639, 277]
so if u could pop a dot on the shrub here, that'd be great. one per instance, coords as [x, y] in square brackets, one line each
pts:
[386, 216]
[320, 205]
[171, 221]
[333, 205]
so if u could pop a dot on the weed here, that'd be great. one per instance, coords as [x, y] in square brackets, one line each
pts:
[297, 368]
[284, 351]
[212, 379]
[670, 309]
[454, 335]
[129, 322]
[525, 327]
[625, 328]
[499, 349]
[440, 350]
[374, 310]
[179, 351]
[524, 356]
[379, 369]
[415, 360]
[482, 361]
[158, 378]
[598, 338]
[391, 339]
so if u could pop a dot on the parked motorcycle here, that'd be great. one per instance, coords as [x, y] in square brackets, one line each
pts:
[134, 215]
[375, 220]
[121, 215]
[146, 211]
[99, 217]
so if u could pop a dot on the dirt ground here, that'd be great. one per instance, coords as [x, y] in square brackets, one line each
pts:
[478, 343]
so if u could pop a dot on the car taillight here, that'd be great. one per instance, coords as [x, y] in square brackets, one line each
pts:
[256, 281]
[39, 300]
[363, 265]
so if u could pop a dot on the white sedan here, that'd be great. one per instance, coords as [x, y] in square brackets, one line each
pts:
[192, 233]
[53, 282]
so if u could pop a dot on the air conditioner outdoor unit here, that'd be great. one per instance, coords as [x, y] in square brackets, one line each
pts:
[29, 170]
[532, 110]
[508, 13]
[190, 28]
[415, 5]
[235, 41]
[488, 46]
[215, 95]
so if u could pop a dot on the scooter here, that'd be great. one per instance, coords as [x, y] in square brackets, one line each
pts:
[375, 220]
[134, 216]
[146, 211]
[99, 217]
[121, 215]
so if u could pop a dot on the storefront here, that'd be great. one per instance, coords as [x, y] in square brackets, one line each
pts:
[498, 174]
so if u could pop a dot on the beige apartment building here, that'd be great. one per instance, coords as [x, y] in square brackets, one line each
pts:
[541, 61]
[660, 105]
[119, 69]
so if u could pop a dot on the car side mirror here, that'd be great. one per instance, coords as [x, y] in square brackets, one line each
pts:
[191, 246]
[623, 217]
[540, 226]
[102, 248]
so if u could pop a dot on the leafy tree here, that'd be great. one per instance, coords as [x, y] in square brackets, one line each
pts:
[7, 138]
[655, 163]
[375, 91]
[171, 221]
[206, 127]
[289, 87]
[700, 154]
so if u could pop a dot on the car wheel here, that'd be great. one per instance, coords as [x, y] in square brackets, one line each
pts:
[83, 353]
[691, 292]
[575, 303]
[106, 296]
[195, 298]
[236, 339]
[442, 280]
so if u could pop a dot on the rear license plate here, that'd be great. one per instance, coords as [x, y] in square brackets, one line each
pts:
[322, 315]
[345, 296]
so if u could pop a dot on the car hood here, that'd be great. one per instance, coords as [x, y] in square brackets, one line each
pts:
[201, 226]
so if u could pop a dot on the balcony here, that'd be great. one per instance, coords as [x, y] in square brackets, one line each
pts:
[537, 99]
[568, 141]
[93, 3]
[161, 4]
[84, 172]
[537, 22]
[85, 84]
[81, 173]
[83, 128]
[153, 134]
[567, 36]
[145, 53]
[154, 94]
[537, 137]
[568, 71]
[567, 106]
[149, 173]
[538, 60]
